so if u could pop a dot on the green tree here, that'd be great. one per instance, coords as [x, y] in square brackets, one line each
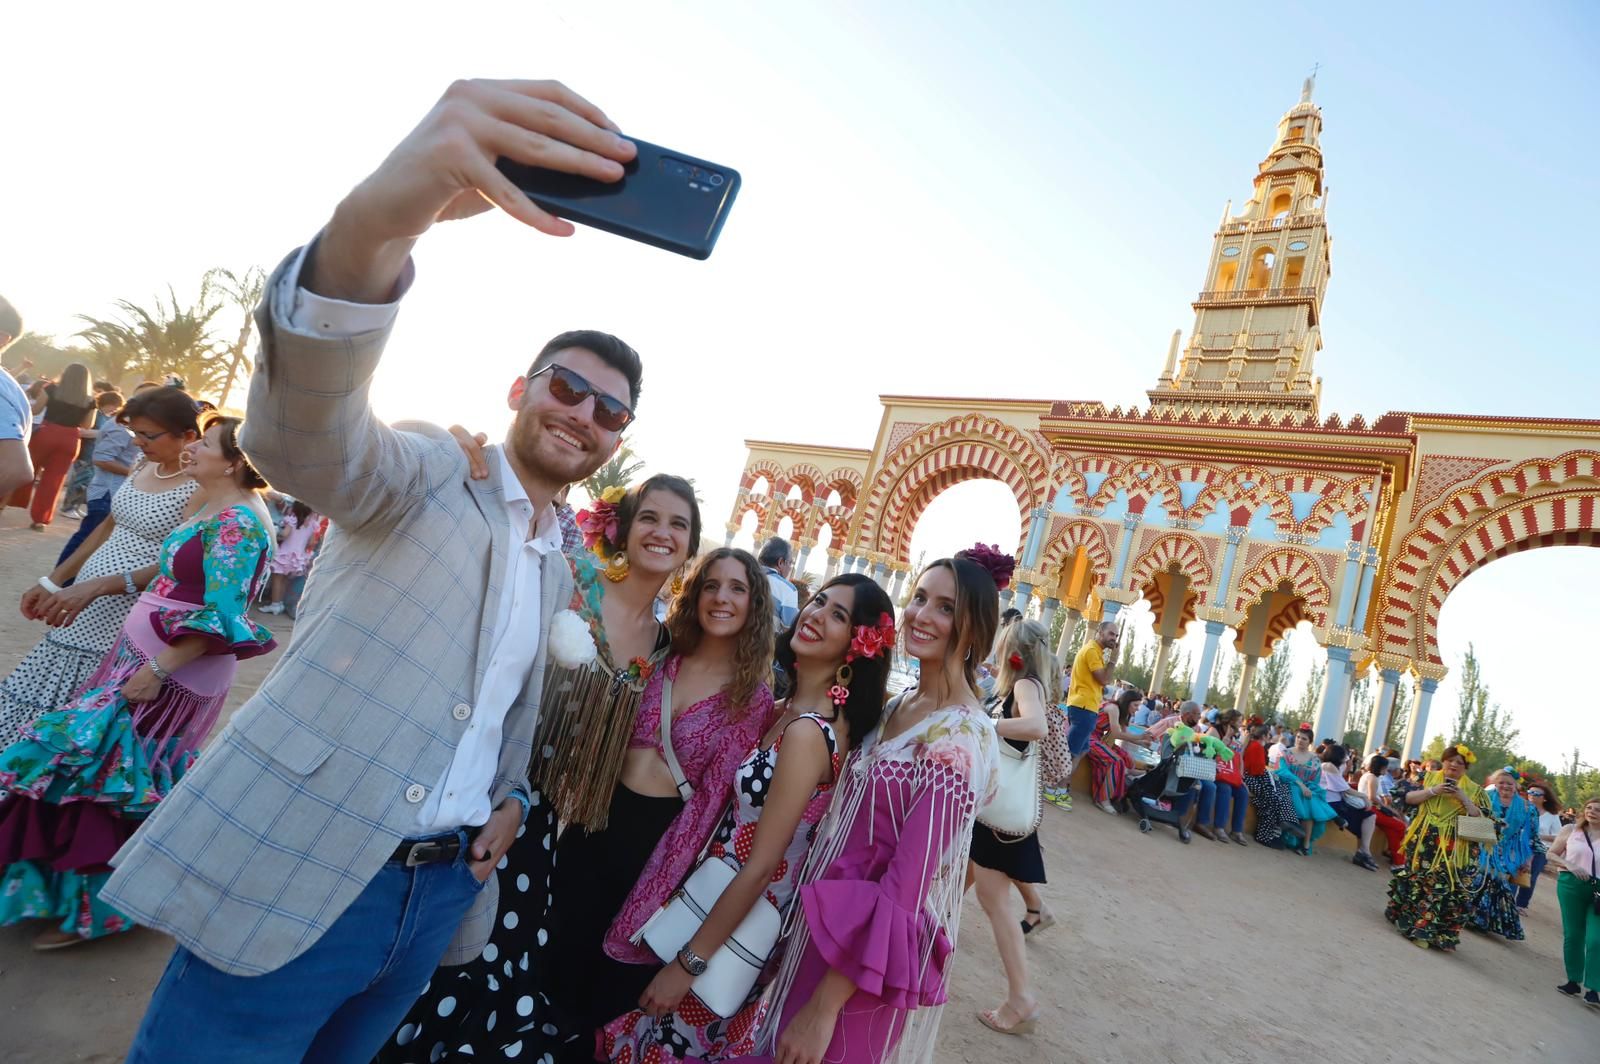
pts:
[617, 473]
[1305, 710]
[1399, 716]
[1136, 661]
[1434, 748]
[1176, 682]
[1271, 681]
[171, 338]
[1360, 716]
[1225, 695]
[1482, 723]
[241, 292]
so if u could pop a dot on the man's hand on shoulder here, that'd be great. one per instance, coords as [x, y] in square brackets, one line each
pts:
[445, 169]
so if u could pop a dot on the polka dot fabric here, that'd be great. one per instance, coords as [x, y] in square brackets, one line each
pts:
[694, 1032]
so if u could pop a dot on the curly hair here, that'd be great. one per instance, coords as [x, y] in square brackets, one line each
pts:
[752, 653]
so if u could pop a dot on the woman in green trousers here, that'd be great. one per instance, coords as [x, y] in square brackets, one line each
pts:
[1578, 890]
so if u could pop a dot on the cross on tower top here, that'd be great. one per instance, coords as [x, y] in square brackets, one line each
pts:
[1310, 83]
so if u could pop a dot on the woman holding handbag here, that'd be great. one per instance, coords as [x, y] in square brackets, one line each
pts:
[865, 969]
[998, 858]
[1431, 898]
[1511, 858]
[838, 650]
[1578, 889]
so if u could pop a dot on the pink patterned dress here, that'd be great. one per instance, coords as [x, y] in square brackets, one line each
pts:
[881, 892]
[694, 1032]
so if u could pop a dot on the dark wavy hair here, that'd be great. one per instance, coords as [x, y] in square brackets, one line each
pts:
[752, 653]
[172, 408]
[977, 612]
[628, 507]
[249, 479]
[869, 677]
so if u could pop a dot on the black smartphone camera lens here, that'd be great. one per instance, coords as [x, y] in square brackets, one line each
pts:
[716, 179]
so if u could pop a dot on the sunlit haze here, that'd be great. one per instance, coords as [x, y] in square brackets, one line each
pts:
[967, 200]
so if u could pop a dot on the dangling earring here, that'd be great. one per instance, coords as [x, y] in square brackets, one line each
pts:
[617, 568]
[839, 693]
[677, 584]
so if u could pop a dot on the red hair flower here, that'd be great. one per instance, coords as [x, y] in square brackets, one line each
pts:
[1015, 661]
[599, 523]
[871, 640]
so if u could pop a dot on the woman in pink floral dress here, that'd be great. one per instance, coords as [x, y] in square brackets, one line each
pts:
[864, 973]
[83, 777]
[838, 652]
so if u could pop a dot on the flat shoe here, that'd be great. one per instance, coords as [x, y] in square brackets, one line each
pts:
[1571, 989]
[54, 940]
[990, 1018]
[1238, 838]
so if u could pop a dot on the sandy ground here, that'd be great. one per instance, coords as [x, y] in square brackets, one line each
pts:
[1163, 952]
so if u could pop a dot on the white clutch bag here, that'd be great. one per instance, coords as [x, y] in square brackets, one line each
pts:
[731, 971]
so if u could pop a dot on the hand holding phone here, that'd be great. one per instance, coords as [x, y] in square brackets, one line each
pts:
[444, 169]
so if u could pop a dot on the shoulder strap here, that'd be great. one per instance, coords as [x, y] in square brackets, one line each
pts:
[685, 788]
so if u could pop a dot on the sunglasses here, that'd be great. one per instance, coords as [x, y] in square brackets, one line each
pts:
[1535, 794]
[571, 388]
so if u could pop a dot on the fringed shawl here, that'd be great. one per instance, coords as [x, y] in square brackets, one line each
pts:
[936, 775]
[1518, 836]
[1440, 814]
[587, 714]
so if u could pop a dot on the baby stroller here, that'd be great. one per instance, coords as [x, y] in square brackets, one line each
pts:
[1162, 784]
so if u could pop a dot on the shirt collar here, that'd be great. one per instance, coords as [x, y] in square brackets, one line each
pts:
[546, 529]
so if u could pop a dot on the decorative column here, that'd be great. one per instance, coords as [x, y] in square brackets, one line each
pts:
[1235, 536]
[805, 554]
[733, 530]
[1038, 524]
[899, 586]
[849, 565]
[880, 575]
[1368, 574]
[1347, 586]
[1335, 691]
[1159, 674]
[1384, 709]
[1067, 628]
[1247, 677]
[1048, 616]
[1023, 594]
[1417, 727]
[834, 555]
[1129, 523]
[1208, 660]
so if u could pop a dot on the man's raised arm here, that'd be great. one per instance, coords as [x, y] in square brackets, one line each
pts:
[328, 310]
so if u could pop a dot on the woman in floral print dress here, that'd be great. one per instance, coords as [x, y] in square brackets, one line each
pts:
[837, 652]
[84, 776]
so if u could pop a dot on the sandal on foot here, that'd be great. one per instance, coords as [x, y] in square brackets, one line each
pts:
[1047, 919]
[53, 940]
[990, 1018]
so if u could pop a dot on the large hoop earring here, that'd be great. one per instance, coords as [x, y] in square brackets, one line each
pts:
[677, 584]
[839, 693]
[617, 568]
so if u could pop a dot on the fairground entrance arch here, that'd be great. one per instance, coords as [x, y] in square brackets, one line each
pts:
[1228, 500]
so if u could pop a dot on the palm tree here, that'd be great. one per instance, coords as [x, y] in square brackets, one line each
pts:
[113, 351]
[242, 293]
[170, 339]
[617, 473]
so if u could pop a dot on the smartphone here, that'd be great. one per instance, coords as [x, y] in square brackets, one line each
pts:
[665, 198]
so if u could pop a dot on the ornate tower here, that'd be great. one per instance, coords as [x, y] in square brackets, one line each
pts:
[1256, 329]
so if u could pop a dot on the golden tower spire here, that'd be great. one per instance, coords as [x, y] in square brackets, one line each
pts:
[1256, 330]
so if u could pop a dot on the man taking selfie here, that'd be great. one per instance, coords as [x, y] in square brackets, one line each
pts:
[343, 830]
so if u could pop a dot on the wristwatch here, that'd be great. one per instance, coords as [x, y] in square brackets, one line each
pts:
[161, 674]
[692, 962]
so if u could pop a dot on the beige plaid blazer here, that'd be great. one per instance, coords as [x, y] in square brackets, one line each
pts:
[301, 798]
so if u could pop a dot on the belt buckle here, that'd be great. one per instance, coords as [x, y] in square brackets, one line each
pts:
[423, 853]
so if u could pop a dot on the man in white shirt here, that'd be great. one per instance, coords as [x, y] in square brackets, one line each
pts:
[16, 413]
[343, 829]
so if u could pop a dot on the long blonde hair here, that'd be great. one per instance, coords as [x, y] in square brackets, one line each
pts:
[1029, 642]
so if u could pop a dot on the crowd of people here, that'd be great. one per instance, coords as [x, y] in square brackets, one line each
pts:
[495, 804]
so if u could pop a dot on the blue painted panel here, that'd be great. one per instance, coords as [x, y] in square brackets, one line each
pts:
[1262, 526]
[1188, 492]
[1303, 502]
[1217, 520]
[1064, 503]
[1092, 482]
[1337, 534]
[1117, 507]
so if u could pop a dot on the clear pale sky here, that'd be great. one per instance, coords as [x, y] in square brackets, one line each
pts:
[939, 198]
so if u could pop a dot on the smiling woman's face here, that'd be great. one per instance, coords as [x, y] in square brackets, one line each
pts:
[930, 616]
[724, 599]
[822, 631]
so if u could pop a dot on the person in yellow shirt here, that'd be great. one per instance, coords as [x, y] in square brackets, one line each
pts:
[1091, 671]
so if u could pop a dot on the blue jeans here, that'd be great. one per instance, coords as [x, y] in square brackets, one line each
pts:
[98, 510]
[1080, 729]
[336, 1002]
[1525, 894]
[1207, 790]
[1228, 798]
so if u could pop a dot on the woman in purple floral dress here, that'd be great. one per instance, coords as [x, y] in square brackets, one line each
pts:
[84, 776]
[837, 652]
[864, 974]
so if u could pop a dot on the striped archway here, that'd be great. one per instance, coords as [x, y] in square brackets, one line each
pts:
[1174, 551]
[1285, 565]
[943, 469]
[1539, 503]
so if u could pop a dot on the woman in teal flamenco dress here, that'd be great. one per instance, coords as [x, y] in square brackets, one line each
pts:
[1301, 770]
[1518, 821]
[83, 777]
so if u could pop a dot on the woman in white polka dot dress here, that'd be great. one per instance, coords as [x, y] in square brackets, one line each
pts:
[86, 618]
[838, 653]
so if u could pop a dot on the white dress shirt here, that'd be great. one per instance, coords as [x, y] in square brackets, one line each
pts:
[461, 797]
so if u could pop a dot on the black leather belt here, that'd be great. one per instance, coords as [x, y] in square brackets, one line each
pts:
[427, 851]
